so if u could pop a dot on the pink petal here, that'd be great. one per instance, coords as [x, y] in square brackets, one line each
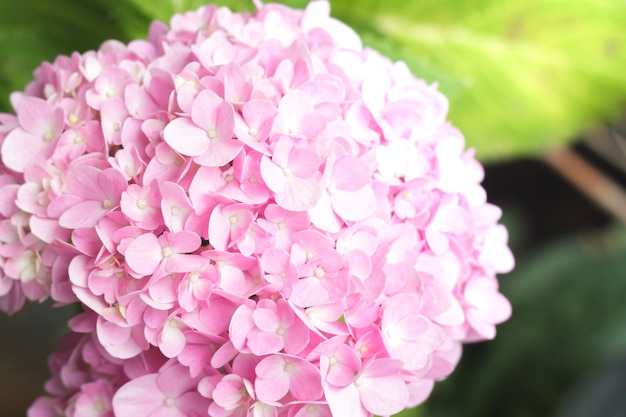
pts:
[171, 339]
[85, 214]
[300, 194]
[144, 254]
[139, 397]
[344, 402]
[185, 137]
[265, 319]
[354, 205]
[350, 174]
[21, 149]
[263, 343]
[272, 382]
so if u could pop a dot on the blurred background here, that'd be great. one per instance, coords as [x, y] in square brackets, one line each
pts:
[538, 88]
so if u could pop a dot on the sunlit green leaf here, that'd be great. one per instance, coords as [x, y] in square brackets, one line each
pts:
[33, 31]
[521, 74]
[136, 15]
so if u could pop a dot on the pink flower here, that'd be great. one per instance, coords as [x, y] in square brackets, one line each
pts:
[280, 374]
[378, 388]
[171, 392]
[206, 138]
[41, 124]
[293, 175]
[96, 192]
[256, 215]
[147, 253]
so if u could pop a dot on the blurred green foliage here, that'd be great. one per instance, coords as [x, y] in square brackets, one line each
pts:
[521, 75]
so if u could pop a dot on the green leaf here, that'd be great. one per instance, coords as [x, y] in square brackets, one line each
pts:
[33, 31]
[136, 15]
[521, 74]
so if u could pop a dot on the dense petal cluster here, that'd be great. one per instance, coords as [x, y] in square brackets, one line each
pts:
[258, 216]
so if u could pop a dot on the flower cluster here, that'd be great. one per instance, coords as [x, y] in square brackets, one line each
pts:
[258, 217]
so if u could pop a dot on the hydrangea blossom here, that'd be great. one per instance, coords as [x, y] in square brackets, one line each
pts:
[258, 216]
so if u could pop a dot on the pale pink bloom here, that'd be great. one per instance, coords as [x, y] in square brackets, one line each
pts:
[196, 286]
[237, 81]
[40, 125]
[338, 361]
[109, 84]
[166, 165]
[175, 206]
[140, 103]
[495, 253]
[486, 307]
[323, 277]
[216, 181]
[147, 253]
[234, 271]
[450, 218]
[97, 192]
[378, 388]
[348, 196]
[171, 392]
[232, 397]
[279, 270]
[121, 341]
[208, 134]
[408, 336]
[310, 410]
[268, 328]
[142, 205]
[283, 224]
[94, 400]
[115, 120]
[293, 174]
[80, 139]
[229, 224]
[458, 171]
[414, 201]
[255, 123]
[168, 335]
[280, 374]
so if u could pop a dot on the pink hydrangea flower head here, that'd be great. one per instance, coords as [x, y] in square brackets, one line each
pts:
[257, 215]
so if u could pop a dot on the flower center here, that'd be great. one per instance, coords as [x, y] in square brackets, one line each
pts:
[289, 367]
[319, 272]
[98, 405]
[169, 402]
